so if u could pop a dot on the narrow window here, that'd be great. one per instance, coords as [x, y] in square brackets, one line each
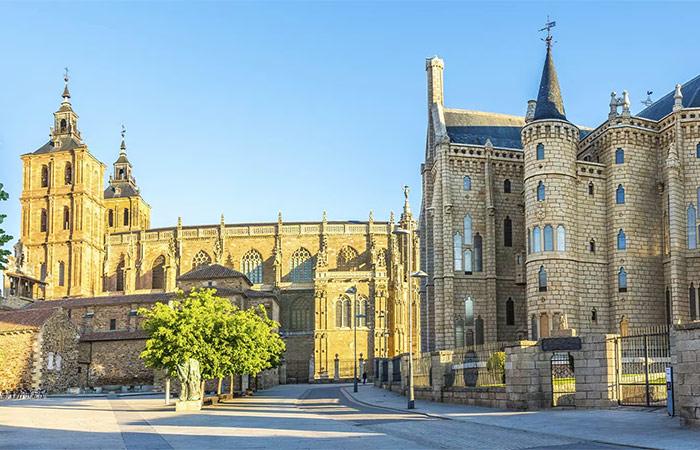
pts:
[43, 271]
[620, 195]
[110, 218]
[591, 188]
[548, 238]
[479, 328]
[120, 276]
[510, 312]
[536, 240]
[622, 280]
[693, 305]
[529, 238]
[126, 217]
[459, 333]
[347, 313]
[540, 151]
[457, 244]
[543, 279]
[478, 254]
[468, 259]
[697, 151]
[619, 156]
[594, 315]
[698, 196]
[66, 218]
[561, 238]
[44, 176]
[43, 225]
[469, 312]
[506, 186]
[533, 325]
[668, 306]
[467, 183]
[621, 240]
[69, 173]
[112, 324]
[339, 314]
[61, 274]
[591, 246]
[467, 230]
[158, 273]
[540, 191]
[692, 229]
[507, 232]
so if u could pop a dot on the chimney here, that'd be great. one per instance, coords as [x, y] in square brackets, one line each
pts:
[530, 114]
[434, 66]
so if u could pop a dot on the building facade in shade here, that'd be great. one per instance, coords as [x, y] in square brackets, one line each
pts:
[82, 240]
[530, 225]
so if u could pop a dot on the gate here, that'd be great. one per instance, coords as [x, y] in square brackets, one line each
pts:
[641, 360]
[563, 381]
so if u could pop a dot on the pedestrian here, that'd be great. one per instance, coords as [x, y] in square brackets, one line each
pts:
[364, 377]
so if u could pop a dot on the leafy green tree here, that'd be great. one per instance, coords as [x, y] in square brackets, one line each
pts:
[255, 344]
[4, 238]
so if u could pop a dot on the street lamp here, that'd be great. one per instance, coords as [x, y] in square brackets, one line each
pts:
[353, 291]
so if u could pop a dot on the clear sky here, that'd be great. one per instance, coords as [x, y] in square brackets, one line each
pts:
[248, 109]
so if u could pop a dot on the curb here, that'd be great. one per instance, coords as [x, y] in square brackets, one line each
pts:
[352, 398]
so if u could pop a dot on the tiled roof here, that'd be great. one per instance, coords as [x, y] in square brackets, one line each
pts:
[162, 297]
[663, 106]
[211, 272]
[114, 336]
[24, 319]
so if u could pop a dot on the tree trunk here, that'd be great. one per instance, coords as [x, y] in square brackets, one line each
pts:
[167, 391]
[203, 381]
[231, 387]
[218, 390]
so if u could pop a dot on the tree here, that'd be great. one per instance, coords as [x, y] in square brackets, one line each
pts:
[4, 238]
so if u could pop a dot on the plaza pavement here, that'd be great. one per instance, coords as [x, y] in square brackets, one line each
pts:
[320, 417]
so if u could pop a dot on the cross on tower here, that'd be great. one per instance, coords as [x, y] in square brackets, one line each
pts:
[123, 131]
[548, 26]
[65, 75]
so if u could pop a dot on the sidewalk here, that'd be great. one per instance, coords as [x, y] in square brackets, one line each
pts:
[647, 429]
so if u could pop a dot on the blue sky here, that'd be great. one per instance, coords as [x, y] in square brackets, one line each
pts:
[248, 109]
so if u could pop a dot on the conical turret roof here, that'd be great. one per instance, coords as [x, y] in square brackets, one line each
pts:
[549, 102]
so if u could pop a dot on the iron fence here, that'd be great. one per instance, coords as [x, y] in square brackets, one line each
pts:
[396, 368]
[422, 365]
[479, 366]
[563, 379]
[641, 360]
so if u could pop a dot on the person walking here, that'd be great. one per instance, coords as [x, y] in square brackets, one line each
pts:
[364, 377]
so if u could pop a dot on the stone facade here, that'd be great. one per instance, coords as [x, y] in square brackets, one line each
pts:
[685, 357]
[608, 217]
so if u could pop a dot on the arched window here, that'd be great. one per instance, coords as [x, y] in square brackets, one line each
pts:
[692, 229]
[361, 310]
[110, 218]
[61, 273]
[43, 221]
[561, 238]
[64, 125]
[536, 240]
[621, 240]
[301, 315]
[158, 273]
[540, 151]
[693, 305]
[479, 329]
[507, 232]
[594, 315]
[506, 186]
[66, 217]
[622, 280]
[478, 254]
[251, 263]
[339, 313]
[347, 259]
[201, 259]
[697, 150]
[510, 312]
[542, 279]
[591, 188]
[44, 176]
[467, 230]
[533, 325]
[126, 217]
[457, 246]
[347, 313]
[469, 312]
[619, 156]
[467, 183]
[548, 238]
[302, 270]
[120, 276]
[540, 191]
[69, 173]
[591, 246]
[459, 333]
[620, 195]
[468, 259]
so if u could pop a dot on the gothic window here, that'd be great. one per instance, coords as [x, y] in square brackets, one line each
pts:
[302, 270]
[540, 151]
[468, 258]
[158, 273]
[126, 217]
[542, 279]
[506, 186]
[619, 156]
[622, 280]
[692, 229]
[110, 218]
[540, 192]
[591, 188]
[467, 230]
[44, 176]
[120, 276]
[457, 246]
[361, 309]
[478, 254]
[507, 232]
[69, 173]
[347, 259]
[301, 315]
[621, 240]
[620, 195]
[693, 305]
[201, 259]
[510, 312]
[252, 266]
[536, 240]
[66, 217]
[548, 238]
[43, 225]
[479, 328]
[591, 246]
[347, 312]
[459, 333]
[533, 325]
[469, 312]
[561, 238]
[61, 273]
[467, 183]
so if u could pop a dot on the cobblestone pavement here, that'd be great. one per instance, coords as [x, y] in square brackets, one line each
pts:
[291, 416]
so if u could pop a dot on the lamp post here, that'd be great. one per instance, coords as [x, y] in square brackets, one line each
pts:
[355, 316]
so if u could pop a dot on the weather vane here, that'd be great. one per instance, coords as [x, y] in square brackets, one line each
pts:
[65, 75]
[123, 131]
[648, 101]
[548, 26]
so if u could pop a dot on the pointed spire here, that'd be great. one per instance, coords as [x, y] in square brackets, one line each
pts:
[66, 94]
[549, 102]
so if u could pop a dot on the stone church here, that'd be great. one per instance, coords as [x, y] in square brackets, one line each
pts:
[91, 251]
[531, 225]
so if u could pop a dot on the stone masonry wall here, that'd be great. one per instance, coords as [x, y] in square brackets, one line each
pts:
[16, 359]
[685, 359]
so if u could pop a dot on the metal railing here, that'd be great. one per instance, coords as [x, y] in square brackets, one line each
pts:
[641, 360]
[479, 366]
[422, 367]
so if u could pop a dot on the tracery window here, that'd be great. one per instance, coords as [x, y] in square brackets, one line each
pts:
[561, 238]
[478, 253]
[548, 238]
[201, 259]
[158, 273]
[69, 173]
[302, 269]
[536, 240]
[361, 310]
[506, 186]
[540, 191]
[467, 183]
[619, 156]
[620, 195]
[692, 229]
[622, 280]
[621, 240]
[510, 312]
[251, 263]
[457, 247]
[540, 151]
[301, 315]
[507, 232]
[347, 259]
[542, 279]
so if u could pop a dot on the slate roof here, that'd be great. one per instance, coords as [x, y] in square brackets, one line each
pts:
[211, 272]
[162, 297]
[475, 127]
[23, 319]
[549, 102]
[663, 106]
[68, 143]
[121, 335]
[122, 159]
[126, 189]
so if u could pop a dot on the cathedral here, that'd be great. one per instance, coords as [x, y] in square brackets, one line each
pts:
[534, 226]
[91, 251]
